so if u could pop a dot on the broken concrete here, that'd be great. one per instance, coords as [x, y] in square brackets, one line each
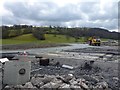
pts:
[56, 83]
[101, 71]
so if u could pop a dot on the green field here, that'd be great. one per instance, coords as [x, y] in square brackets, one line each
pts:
[29, 38]
[20, 39]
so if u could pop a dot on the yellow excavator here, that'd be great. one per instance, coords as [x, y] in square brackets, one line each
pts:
[94, 41]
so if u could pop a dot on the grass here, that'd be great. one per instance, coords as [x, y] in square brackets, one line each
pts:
[50, 38]
[58, 39]
[29, 38]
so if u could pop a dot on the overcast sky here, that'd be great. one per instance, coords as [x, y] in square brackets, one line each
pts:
[70, 13]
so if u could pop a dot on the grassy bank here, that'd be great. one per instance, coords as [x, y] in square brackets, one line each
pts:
[50, 38]
[29, 38]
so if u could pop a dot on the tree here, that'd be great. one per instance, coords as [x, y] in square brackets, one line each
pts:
[5, 32]
[39, 33]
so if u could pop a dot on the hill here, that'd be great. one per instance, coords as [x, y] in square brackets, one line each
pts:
[38, 32]
[29, 38]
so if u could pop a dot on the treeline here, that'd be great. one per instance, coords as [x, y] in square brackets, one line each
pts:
[84, 32]
[15, 30]
[39, 32]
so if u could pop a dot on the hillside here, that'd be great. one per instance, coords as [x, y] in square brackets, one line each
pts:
[38, 32]
[29, 38]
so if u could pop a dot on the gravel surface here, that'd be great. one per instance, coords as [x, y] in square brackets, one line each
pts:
[29, 46]
[93, 68]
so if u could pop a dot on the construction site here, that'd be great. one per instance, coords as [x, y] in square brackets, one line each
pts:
[75, 67]
[60, 45]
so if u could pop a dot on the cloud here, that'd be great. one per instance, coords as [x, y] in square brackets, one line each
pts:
[72, 14]
[43, 11]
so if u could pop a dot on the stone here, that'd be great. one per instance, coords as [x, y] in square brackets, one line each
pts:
[8, 87]
[116, 78]
[11, 87]
[48, 79]
[65, 86]
[51, 85]
[56, 81]
[81, 80]
[68, 77]
[65, 79]
[102, 85]
[40, 76]
[37, 82]
[84, 86]
[28, 85]
[55, 85]
[75, 87]
[18, 86]
[48, 85]
[73, 82]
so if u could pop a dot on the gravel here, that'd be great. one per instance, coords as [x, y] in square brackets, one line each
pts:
[101, 74]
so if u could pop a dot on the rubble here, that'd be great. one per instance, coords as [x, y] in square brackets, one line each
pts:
[29, 85]
[97, 71]
[37, 82]
[111, 43]
[102, 85]
[57, 83]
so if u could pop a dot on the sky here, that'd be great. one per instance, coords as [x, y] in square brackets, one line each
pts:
[66, 13]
